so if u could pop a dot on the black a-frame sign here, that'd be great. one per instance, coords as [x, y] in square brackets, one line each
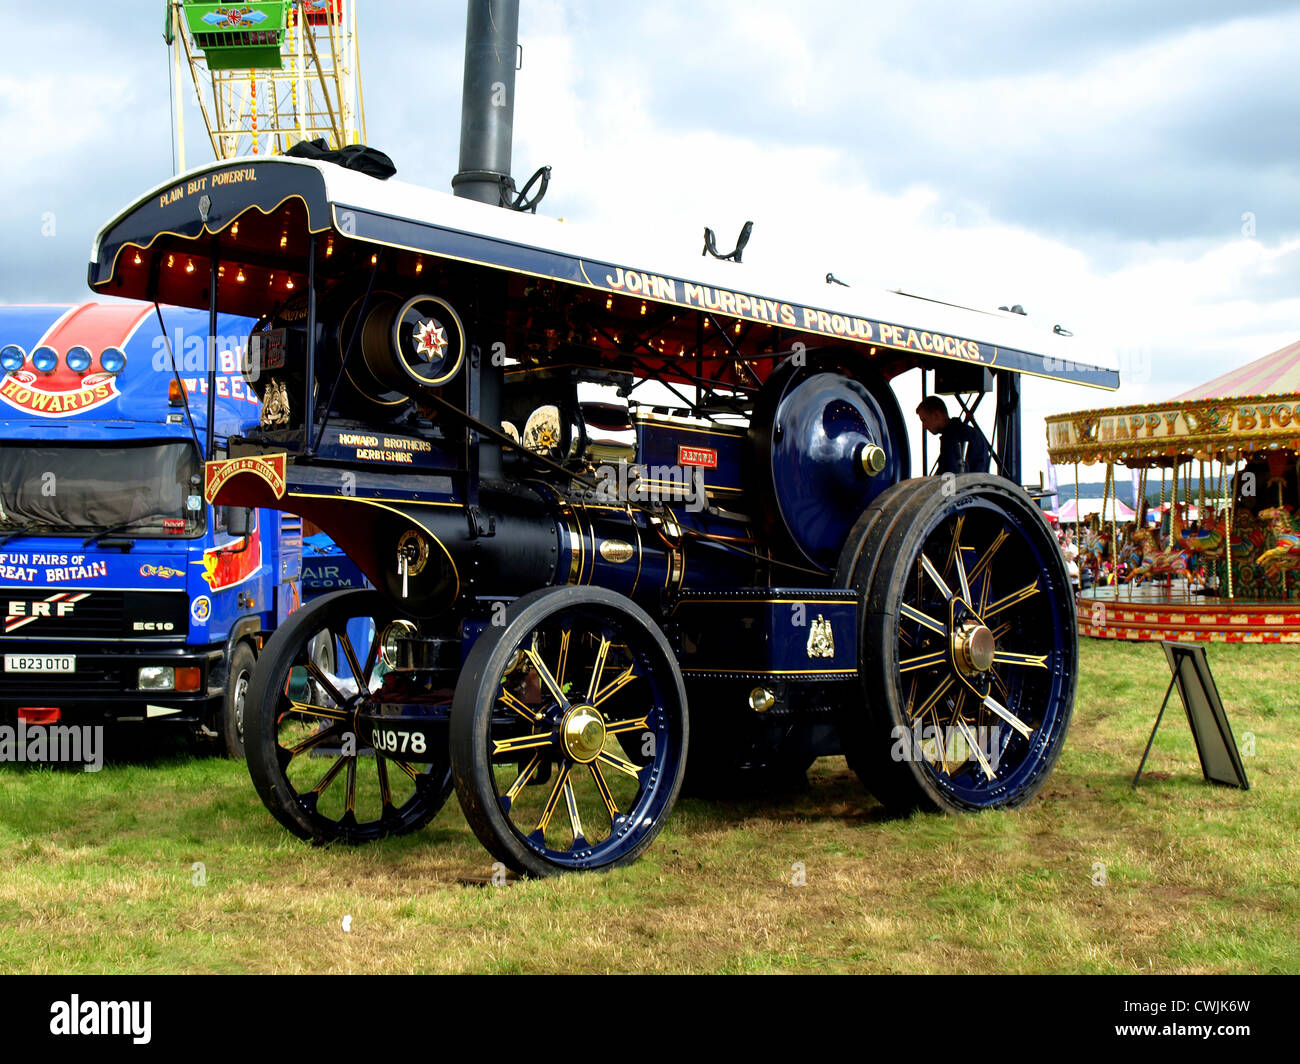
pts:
[1220, 759]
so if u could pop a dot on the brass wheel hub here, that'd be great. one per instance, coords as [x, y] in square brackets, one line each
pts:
[583, 733]
[973, 648]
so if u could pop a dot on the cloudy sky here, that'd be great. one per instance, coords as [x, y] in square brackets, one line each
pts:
[1127, 170]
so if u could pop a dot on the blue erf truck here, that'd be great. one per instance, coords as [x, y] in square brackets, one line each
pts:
[125, 596]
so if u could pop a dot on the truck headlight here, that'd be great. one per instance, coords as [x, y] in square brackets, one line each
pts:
[157, 678]
[12, 358]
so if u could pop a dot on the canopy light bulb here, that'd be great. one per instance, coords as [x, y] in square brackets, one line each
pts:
[419, 266]
[240, 275]
[609, 303]
[189, 266]
[284, 239]
[288, 282]
[643, 306]
[234, 230]
[171, 261]
[329, 248]
[136, 259]
[374, 259]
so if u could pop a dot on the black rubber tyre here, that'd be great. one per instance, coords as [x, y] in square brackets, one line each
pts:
[239, 676]
[536, 689]
[286, 729]
[998, 671]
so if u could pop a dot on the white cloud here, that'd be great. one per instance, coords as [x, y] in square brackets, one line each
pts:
[1173, 314]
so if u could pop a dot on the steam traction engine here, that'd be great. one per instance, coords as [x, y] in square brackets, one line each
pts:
[611, 515]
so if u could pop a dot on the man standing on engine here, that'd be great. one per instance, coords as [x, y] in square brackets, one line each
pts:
[962, 448]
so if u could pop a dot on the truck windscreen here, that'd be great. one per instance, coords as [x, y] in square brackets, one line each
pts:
[153, 489]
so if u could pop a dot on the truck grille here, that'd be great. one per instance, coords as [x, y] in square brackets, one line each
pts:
[77, 613]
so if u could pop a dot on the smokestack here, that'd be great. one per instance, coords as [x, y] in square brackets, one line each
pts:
[487, 107]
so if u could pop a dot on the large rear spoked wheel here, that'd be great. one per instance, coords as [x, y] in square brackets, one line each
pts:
[968, 648]
[569, 732]
[308, 752]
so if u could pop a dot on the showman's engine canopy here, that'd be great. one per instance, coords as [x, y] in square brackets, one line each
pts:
[612, 508]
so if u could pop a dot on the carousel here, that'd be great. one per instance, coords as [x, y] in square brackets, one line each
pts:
[1221, 561]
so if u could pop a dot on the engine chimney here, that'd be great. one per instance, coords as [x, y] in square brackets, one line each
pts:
[487, 107]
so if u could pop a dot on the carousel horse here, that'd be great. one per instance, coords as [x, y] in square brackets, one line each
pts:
[1248, 536]
[1156, 562]
[1285, 553]
[1094, 547]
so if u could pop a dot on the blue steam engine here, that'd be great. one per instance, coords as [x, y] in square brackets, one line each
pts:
[611, 513]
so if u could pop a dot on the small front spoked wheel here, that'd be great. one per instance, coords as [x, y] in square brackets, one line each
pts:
[306, 744]
[568, 732]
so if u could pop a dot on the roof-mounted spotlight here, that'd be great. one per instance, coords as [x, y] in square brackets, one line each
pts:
[113, 360]
[12, 357]
[78, 358]
[45, 359]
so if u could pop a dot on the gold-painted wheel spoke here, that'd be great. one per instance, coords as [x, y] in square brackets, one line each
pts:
[562, 664]
[309, 710]
[544, 674]
[923, 619]
[1007, 601]
[1007, 657]
[928, 568]
[986, 585]
[518, 743]
[923, 661]
[986, 558]
[353, 663]
[372, 655]
[615, 685]
[570, 799]
[409, 770]
[350, 799]
[955, 559]
[519, 707]
[598, 669]
[620, 763]
[331, 774]
[1001, 630]
[315, 739]
[1006, 714]
[385, 789]
[316, 673]
[603, 787]
[956, 707]
[639, 724]
[975, 749]
[955, 546]
[998, 682]
[554, 798]
[933, 700]
[521, 781]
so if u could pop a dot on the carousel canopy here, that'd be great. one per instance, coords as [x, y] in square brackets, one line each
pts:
[1069, 511]
[1255, 407]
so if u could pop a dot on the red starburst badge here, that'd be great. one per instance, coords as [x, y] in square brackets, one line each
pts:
[430, 339]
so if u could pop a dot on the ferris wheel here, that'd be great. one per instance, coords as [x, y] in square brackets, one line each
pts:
[267, 74]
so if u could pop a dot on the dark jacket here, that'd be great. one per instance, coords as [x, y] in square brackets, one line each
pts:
[962, 449]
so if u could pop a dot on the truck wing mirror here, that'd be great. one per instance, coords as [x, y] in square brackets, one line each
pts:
[239, 520]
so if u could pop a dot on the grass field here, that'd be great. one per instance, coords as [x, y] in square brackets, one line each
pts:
[97, 869]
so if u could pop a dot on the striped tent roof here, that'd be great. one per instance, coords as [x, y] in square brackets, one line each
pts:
[1274, 374]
